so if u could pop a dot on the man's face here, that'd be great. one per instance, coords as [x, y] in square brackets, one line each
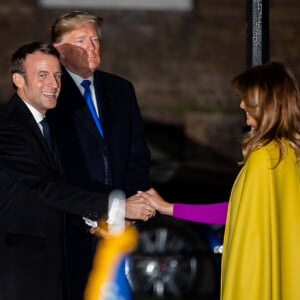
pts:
[40, 86]
[80, 50]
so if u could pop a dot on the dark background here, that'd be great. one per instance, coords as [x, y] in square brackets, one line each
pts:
[181, 64]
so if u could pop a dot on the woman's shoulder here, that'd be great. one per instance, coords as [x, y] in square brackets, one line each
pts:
[269, 153]
[262, 155]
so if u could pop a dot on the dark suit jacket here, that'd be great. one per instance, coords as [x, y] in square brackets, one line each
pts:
[82, 149]
[83, 152]
[32, 207]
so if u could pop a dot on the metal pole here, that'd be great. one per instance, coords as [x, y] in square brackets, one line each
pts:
[257, 32]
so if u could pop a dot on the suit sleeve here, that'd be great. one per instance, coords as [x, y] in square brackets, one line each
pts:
[11, 193]
[23, 155]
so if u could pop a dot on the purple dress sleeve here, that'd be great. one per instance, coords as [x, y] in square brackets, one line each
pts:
[203, 213]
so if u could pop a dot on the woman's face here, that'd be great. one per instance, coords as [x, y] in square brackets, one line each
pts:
[250, 121]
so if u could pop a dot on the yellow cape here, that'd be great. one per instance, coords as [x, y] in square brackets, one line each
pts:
[261, 258]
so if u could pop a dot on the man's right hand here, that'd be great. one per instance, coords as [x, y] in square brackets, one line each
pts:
[137, 208]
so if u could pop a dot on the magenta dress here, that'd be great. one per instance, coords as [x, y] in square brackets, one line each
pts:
[203, 213]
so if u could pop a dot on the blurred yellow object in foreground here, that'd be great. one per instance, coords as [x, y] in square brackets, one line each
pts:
[103, 282]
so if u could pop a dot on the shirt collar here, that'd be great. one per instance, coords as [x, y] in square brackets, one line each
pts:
[36, 114]
[78, 79]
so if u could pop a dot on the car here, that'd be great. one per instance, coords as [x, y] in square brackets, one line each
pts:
[177, 258]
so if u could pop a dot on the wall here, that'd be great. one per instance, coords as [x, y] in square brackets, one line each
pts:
[181, 63]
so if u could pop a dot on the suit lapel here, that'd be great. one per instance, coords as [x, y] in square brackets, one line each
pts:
[104, 98]
[32, 126]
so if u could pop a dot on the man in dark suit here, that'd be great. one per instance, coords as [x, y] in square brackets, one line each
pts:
[114, 156]
[34, 199]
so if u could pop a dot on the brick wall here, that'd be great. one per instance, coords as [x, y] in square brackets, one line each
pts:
[181, 63]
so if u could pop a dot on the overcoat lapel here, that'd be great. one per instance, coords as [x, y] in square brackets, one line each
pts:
[104, 100]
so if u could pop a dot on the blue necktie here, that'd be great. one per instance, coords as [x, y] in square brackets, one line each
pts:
[88, 98]
[47, 134]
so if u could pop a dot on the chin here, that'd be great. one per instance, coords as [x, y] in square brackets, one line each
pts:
[52, 104]
[93, 66]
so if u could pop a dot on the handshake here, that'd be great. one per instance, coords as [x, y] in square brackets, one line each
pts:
[143, 205]
[121, 212]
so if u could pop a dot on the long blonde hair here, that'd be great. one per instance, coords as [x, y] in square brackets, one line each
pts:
[271, 95]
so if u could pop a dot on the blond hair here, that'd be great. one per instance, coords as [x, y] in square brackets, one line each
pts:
[71, 21]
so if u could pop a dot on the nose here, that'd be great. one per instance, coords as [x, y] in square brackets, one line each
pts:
[90, 44]
[242, 104]
[54, 81]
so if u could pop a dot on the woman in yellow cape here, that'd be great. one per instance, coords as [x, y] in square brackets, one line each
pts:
[260, 252]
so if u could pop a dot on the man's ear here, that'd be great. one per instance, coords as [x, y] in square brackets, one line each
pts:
[60, 49]
[18, 80]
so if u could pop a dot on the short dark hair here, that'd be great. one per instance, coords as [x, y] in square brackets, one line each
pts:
[18, 57]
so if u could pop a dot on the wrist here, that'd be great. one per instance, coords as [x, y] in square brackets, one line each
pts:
[167, 210]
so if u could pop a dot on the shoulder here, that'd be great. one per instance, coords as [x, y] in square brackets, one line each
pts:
[12, 109]
[266, 156]
[258, 156]
[255, 173]
[15, 122]
[111, 79]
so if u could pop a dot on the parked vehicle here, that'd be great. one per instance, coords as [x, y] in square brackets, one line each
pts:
[174, 257]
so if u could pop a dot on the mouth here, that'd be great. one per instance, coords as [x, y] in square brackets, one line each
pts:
[92, 56]
[92, 59]
[49, 94]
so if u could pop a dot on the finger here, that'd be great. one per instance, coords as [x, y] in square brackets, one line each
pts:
[151, 191]
[151, 213]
